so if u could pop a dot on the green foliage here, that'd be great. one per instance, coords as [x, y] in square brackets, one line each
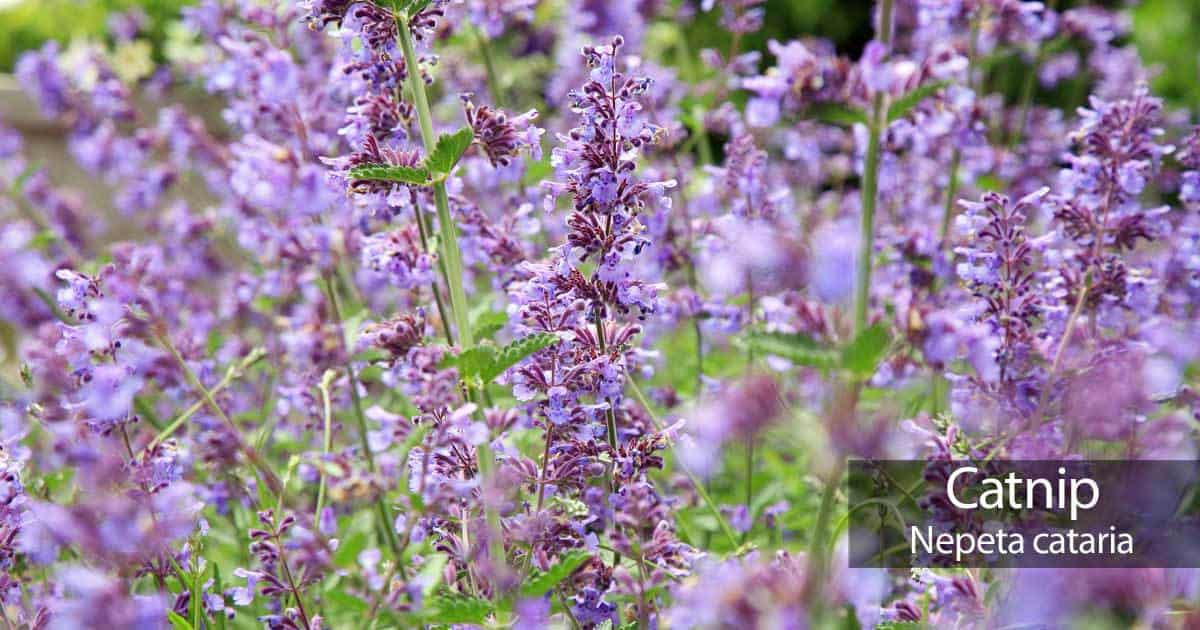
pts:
[483, 363]
[1165, 32]
[542, 583]
[408, 7]
[486, 324]
[905, 104]
[417, 176]
[450, 147]
[455, 610]
[862, 355]
[27, 25]
[840, 115]
[178, 622]
[797, 348]
[430, 575]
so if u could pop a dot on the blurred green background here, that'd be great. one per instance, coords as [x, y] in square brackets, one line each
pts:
[1167, 32]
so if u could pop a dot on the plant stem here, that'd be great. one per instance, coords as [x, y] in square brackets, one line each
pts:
[951, 193]
[696, 483]
[870, 187]
[447, 228]
[381, 506]
[610, 418]
[252, 455]
[423, 231]
[749, 460]
[485, 51]
[453, 271]
[326, 443]
[232, 374]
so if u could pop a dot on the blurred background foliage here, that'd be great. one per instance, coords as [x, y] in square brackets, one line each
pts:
[1167, 33]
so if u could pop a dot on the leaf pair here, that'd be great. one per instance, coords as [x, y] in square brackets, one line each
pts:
[861, 356]
[484, 363]
[438, 164]
[841, 115]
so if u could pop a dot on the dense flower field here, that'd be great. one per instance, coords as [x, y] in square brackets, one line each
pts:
[508, 313]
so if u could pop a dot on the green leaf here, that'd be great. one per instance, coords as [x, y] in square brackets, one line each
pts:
[512, 354]
[472, 363]
[799, 349]
[430, 575]
[417, 176]
[864, 353]
[542, 583]
[485, 362]
[488, 323]
[450, 147]
[451, 610]
[412, 7]
[345, 602]
[840, 115]
[347, 552]
[905, 104]
[178, 622]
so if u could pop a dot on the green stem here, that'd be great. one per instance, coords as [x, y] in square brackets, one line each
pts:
[489, 65]
[870, 186]
[233, 373]
[454, 274]
[610, 418]
[252, 455]
[423, 231]
[326, 443]
[381, 507]
[870, 193]
[951, 193]
[820, 548]
[696, 483]
[448, 229]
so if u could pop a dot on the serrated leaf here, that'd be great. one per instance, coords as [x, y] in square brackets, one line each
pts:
[542, 583]
[841, 115]
[178, 622]
[512, 354]
[485, 362]
[799, 349]
[417, 176]
[451, 610]
[863, 354]
[450, 147]
[488, 323]
[472, 363]
[905, 104]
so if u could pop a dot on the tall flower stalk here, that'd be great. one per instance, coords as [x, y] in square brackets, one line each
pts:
[453, 270]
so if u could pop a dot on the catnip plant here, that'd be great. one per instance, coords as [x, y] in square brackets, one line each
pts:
[555, 314]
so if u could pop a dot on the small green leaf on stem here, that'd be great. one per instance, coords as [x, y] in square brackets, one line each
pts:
[178, 622]
[797, 348]
[456, 610]
[450, 148]
[542, 583]
[905, 104]
[417, 176]
[839, 115]
[862, 355]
